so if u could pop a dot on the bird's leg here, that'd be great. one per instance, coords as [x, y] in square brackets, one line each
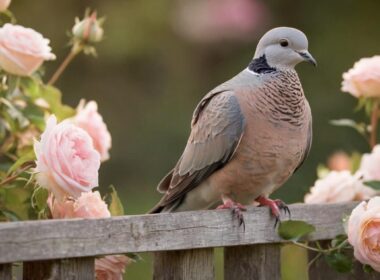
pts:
[237, 209]
[275, 206]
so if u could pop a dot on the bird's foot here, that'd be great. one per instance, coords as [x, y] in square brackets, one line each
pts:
[275, 206]
[237, 210]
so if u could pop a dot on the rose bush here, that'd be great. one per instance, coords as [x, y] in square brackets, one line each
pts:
[87, 205]
[363, 80]
[370, 165]
[90, 120]
[67, 163]
[111, 267]
[22, 50]
[338, 186]
[364, 232]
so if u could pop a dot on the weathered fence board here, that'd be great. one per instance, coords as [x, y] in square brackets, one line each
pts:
[6, 271]
[259, 262]
[196, 264]
[68, 269]
[53, 239]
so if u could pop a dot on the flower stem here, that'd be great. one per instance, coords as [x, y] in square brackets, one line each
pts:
[374, 122]
[9, 179]
[321, 250]
[75, 50]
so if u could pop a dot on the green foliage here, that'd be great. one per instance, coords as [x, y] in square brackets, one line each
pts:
[27, 156]
[340, 241]
[367, 268]
[339, 261]
[115, 206]
[373, 184]
[294, 230]
[361, 128]
[39, 199]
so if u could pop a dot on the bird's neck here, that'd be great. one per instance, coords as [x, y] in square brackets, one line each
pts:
[260, 65]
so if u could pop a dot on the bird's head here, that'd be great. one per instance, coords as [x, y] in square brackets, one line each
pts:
[284, 47]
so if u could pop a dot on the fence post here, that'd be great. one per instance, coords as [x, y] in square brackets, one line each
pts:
[259, 262]
[68, 269]
[194, 264]
[6, 271]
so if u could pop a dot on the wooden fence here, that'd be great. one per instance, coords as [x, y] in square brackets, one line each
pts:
[182, 243]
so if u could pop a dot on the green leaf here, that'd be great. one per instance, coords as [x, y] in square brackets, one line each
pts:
[367, 268]
[359, 127]
[373, 184]
[39, 198]
[294, 230]
[27, 156]
[338, 261]
[133, 256]
[53, 97]
[9, 215]
[35, 115]
[322, 171]
[338, 240]
[115, 206]
[355, 161]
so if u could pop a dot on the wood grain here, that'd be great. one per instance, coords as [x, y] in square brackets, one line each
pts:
[6, 271]
[259, 262]
[68, 269]
[53, 239]
[196, 264]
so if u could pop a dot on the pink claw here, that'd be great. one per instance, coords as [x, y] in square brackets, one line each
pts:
[236, 208]
[275, 206]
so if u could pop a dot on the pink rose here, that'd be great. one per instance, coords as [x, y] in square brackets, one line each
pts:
[67, 163]
[370, 165]
[4, 4]
[364, 232]
[87, 205]
[90, 120]
[364, 78]
[338, 186]
[111, 267]
[61, 209]
[22, 50]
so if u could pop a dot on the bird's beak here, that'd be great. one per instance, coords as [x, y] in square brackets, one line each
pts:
[307, 57]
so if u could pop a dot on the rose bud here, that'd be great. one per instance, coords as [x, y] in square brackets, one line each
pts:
[89, 29]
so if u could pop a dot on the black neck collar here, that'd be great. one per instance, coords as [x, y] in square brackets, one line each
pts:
[260, 65]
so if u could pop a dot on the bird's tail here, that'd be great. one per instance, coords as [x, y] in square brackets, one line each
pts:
[162, 208]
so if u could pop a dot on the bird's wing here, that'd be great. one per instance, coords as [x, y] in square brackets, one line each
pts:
[216, 129]
[308, 144]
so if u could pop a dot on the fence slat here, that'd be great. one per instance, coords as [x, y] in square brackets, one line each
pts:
[6, 271]
[196, 264]
[68, 269]
[57, 239]
[259, 262]
[320, 270]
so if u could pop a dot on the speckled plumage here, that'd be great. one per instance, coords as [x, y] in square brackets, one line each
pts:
[248, 136]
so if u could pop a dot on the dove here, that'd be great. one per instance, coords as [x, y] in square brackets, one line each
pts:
[248, 135]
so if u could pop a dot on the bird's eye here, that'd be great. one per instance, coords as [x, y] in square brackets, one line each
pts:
[284, 43]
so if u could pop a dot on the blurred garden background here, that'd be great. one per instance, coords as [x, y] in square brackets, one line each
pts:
[159, 58]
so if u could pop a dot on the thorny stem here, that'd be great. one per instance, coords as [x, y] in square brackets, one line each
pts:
[374, 121]
[320, 250]
[9, 179]
[75, 50]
